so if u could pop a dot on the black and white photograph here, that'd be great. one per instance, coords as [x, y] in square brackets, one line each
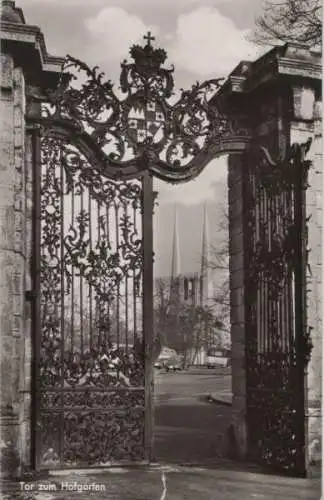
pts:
[161, 229]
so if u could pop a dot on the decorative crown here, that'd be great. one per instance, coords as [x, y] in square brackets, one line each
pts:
[147, 57]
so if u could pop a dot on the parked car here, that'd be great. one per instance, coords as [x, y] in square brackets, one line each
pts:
[218, 357]
[165, 354]
[159, 364]
[174, 364]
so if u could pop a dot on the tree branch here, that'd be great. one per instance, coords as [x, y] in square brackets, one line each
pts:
[290, 20]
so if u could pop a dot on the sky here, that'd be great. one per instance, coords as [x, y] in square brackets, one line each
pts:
[203, 38]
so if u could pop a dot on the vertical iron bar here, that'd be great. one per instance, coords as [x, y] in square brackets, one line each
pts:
[263, 237]
[118, 284]
[126, 293]
[300, 314]
[81, 287]
[261, 284]
[98, 301]
[287, 285]
[35, 138]
[147, 232]
[290, 314]
[135, 207]
[61, 152]
[109, 332]
[90, 285]
[269, 297]
[280, 222]
[72, 278]
[126, 312]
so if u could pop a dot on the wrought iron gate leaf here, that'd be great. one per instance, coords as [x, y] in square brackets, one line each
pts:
[278, 346]
[91, 365]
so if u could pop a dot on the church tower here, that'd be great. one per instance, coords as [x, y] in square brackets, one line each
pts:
[204, 274]
[175, 261]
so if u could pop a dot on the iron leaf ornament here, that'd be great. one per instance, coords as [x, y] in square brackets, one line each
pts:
[146, 124]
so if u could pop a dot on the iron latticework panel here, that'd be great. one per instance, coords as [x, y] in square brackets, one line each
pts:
[277, 347]
[91, 363]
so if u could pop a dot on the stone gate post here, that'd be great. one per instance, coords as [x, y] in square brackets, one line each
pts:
[26, 68]
[280, 95]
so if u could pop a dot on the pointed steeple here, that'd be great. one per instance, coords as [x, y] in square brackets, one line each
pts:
[175, 259]
[204, 260]
[175, 262]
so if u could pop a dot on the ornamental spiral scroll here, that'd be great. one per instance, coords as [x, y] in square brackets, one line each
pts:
[145, 125]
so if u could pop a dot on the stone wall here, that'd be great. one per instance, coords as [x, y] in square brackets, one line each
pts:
[12, 255]
[307, 123]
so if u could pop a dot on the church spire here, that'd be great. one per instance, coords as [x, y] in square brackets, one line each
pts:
[204, 260]
[175, 259]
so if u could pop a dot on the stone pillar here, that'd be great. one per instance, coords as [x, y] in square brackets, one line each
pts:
[26, 68]
[307, 123]
[12, 256]
[26, 345]
[279, 97]
[237, 434]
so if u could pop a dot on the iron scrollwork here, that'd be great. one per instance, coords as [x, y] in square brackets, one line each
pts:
[144, 125]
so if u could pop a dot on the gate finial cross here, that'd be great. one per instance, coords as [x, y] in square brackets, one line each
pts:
[149, 38]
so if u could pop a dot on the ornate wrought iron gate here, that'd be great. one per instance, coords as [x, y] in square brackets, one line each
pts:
[92, 348]
[94, 157]
[93, 254]
[277, 347]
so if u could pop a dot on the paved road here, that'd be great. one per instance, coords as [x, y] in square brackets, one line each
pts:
[188, 386]
[188, 429]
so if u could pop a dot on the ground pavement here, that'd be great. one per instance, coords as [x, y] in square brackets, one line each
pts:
[188, 431]
[166, 483]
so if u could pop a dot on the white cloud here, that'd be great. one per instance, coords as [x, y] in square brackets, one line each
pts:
[198, 190]
[60, 3]
[114, 30]
[124, 3]
[208, 43]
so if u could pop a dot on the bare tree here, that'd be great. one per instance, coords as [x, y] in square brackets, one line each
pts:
[290, 20]
[218, 264]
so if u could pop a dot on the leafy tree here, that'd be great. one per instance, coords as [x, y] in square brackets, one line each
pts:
[290, 20]
[180, 325]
